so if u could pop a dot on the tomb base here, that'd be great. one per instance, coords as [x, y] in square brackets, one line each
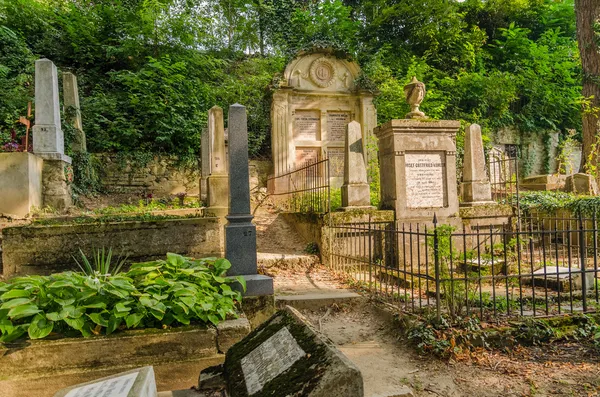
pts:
[356, 195]
[476, 193]
[21, 181]
[56, 184]
[217, 194]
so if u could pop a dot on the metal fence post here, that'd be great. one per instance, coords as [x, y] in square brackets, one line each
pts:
[582, 262]
[436, 256]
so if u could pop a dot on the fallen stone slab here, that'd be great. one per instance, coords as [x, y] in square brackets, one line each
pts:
[135, 383]
[316, 300]
[560, 278]
[285, 356]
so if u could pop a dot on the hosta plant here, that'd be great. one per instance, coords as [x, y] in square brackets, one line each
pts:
[158, 294]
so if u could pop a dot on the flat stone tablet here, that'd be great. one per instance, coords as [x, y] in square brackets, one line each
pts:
[139, 382]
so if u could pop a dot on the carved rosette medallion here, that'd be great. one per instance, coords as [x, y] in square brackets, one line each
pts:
[322, 72]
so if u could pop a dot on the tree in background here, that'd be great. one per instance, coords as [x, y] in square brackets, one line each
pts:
[588, 36]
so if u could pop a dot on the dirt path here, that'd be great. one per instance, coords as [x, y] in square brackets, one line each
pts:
[388, 363]
[274, 235]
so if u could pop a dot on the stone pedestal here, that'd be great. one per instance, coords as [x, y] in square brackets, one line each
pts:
[20, 183]
[476, 188]
[56, 187]
[581, 184]
[418, 168]
[73, 111]
[240, 232]
[355, 190]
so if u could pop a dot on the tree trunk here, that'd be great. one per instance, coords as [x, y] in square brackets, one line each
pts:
[588, 14]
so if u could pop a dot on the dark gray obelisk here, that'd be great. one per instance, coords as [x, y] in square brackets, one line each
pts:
[240, 232]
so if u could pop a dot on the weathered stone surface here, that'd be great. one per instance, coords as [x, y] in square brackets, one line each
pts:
[286, 356]
[21, 183]
[581, 184]
[73, 111]
[355, 190]
[45, 249]
[137, 382]
[56, 187]
[231, 332]
[418, 168]
[544, 182]
[47, 132]
[561, 278]
[124, 349]
[318, 97]
[476, 188]
[258, 309]
[217, 183]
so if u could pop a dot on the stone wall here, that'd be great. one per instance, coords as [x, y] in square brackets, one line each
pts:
[42, 249]
[20, 183]
[162, 176]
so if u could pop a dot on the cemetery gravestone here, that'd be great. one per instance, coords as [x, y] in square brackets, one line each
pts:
[476, 188]
[355, 191]
[48, 139]
[73, 112]
[285, 356]
[317, 98]
[139, 382]
[217, 181]
[240, 233]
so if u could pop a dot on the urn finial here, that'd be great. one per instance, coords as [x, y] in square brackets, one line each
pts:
[414, 92]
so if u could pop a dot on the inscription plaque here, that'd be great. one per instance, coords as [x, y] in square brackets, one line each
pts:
[306, 154]
[336, 125]
[307, 125]
[114, 387]
[425, 180]
[336, 161]
[273, 357]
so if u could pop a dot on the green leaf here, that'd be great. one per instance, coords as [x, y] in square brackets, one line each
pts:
[60, 284]
[242, 281]
[213, 319]
[121, 308]
[182, 318]
[75, 323]
[221, 266]
[98, 319]
[54, 316]
[23, 311]
[97, 305]
[40, 327]
[14, 335]
[6, 326]
[65, 302]
[133, 320]
[15, 293]
[113, 324]
[72, 312]
[175, 259]
[15, 302]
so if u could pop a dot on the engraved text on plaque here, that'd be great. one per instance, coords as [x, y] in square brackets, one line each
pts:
[425, 176]
[307, 125]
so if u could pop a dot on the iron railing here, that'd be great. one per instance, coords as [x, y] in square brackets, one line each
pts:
[304, 189]
[503, 175]
[538, 267]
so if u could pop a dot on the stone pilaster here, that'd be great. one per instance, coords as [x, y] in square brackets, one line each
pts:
[240, 233]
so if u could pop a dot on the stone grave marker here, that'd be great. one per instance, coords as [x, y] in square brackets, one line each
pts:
[476, 188]
[138, 382]
[73, 111]
[355, 191]
[217, 181]
[285, 356]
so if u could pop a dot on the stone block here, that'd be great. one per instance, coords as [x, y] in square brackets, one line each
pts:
[561, 279]
[287, 356]
[56, 187]
[231, 332]
[476, 188]
[137, 382]
[544, 182]
[258, 309]
[581, 184]
[356, 196]
[21, 183]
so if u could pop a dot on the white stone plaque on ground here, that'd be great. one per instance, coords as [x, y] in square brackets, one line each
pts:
[306, 154]
[425, 176]
[336, 125]
[336, 161]
[135, 383]
[307, 125]
[273, 357]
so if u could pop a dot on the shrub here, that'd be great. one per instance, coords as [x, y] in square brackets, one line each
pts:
[161, 293]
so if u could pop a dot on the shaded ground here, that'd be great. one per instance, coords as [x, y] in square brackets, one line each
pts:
[564, 369]
[274, 235]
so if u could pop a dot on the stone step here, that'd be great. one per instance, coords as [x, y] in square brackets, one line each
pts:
[316, 300]
[289, 261]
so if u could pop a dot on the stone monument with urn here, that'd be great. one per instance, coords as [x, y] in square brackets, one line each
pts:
[417, 159]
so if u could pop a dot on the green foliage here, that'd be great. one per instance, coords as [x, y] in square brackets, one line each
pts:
[550, 202]
[171, 292]
[102, 264]
[149, 70]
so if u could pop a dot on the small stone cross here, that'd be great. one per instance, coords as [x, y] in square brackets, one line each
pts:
[27, 123]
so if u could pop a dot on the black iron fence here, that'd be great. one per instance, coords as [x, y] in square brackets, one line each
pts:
[536, 267]
[503, 174]
[304, 189]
